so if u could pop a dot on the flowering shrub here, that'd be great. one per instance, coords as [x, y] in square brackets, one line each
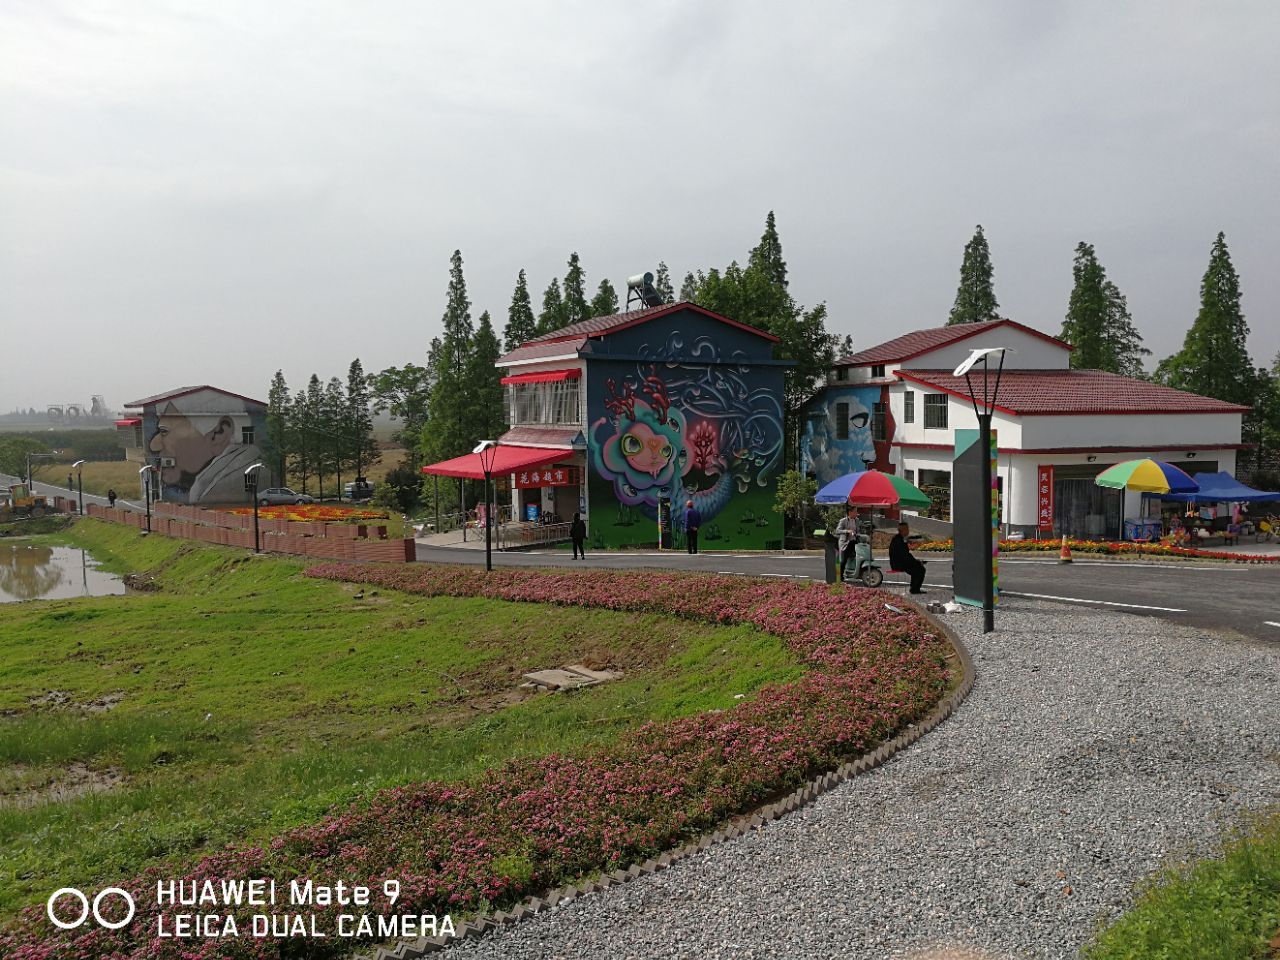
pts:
[312, 512]
[1109, 547]
[537, 823]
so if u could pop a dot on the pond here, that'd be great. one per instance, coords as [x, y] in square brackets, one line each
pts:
[29, 572]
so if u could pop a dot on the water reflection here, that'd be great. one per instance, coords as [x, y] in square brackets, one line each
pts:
[52, 573]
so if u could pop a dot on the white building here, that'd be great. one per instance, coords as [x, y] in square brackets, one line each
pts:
[900, 400]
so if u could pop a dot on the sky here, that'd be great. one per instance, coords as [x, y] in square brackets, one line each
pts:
[205, 192]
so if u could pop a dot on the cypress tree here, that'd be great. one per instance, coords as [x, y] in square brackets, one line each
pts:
[576, 308]
[446, 432]
[521, 324]
[276, 448]
[662, 283]
[976, 297]
[483, 387]
[552, 315]
[689, 288]
[767, 255]
[1214, 359]
[605, 301]
[358, 428]
[1098, 323]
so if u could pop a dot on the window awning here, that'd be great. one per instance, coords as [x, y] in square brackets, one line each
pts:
[133, 422]
[544, 376]
[508, 459]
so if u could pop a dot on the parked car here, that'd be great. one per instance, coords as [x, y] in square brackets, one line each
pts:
[360, 489]
[278, 495]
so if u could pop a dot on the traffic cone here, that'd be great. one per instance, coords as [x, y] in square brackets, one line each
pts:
[1064, 556]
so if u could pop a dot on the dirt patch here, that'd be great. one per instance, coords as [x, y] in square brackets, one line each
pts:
[61, 700]
[944, 951]
[141, 583]
[29, 789]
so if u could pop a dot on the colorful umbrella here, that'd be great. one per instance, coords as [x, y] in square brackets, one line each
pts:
[1147, 476]
[871, 488]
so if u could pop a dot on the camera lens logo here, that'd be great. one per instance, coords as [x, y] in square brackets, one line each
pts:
[86, 908]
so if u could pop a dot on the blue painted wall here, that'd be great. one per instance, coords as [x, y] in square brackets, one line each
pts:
[822, 453]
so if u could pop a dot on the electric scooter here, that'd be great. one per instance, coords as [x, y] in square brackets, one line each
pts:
[863, 563]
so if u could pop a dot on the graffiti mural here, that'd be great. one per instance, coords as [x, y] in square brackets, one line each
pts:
[822, 450]
[688, 426]
[201, 451]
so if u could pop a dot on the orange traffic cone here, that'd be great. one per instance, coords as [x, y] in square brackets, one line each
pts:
[1064, 556]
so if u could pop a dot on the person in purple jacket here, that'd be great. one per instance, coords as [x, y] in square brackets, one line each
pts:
[692, 521]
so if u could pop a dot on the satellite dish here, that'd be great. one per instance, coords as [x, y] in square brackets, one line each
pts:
[976, 355]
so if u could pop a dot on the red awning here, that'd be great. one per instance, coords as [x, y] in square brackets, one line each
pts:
[544, 376]
[508, 459]
[129, 423]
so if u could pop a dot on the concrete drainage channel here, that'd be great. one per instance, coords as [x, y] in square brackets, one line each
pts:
[478, 927]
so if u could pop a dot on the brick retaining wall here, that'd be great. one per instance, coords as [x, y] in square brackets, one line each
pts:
[325, 541]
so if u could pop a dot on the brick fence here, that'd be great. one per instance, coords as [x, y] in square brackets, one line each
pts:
[328, 541]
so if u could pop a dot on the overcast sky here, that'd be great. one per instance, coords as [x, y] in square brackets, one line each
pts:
[206, 191]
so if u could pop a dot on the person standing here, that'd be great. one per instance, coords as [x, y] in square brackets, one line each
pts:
[578, 536]
[70, 482]
[847, 538]
[111, 497]
[692, 521]
[900, 558]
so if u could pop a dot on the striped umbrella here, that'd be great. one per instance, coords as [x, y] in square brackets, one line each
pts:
[871, 488]
[1147, 476]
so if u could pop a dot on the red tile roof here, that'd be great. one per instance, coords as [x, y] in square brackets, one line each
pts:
[570, 339]
[1058, 392]
[922, 341]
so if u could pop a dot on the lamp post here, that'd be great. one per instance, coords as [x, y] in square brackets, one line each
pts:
[145, 473]
[78, 466]
[983, 411]
[487, 451]
[251, 488]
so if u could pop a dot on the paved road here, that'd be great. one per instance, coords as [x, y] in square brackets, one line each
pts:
[59, 490]
[1242, 597]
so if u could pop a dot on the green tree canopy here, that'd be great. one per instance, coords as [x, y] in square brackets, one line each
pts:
[552, 315]
[662, 283]
[405, 393]
[521, 325]
[976, 296]
[1214, 359]
[1098, 323]
[358, 417]
[277, 441]
[575, 305]
[483, 387]
[447, 432]
[605, 301]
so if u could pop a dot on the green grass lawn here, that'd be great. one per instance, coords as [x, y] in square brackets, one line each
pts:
[1225, 907]
[242, 698]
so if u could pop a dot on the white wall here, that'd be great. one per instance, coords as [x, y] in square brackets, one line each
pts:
[960, 416]
[1032, 352]
[1110, 430]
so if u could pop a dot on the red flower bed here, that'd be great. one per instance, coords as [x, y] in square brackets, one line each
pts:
[534, 824]
[1111, 548]
[312, 512]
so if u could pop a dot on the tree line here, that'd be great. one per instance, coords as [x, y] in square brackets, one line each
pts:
[324, 429]
[1214, 360]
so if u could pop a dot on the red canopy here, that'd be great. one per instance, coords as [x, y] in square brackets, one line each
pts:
[509, 458]
[544, 376]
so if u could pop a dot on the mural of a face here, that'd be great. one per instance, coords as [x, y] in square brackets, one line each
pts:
[645, 450]
[190, 448]
[825, 454]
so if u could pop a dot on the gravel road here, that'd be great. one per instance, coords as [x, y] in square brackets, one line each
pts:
[1095, 746]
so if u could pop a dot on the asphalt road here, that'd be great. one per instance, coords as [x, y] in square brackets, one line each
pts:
[1212, 596]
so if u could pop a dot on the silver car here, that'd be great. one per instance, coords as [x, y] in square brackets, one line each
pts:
[278, 495]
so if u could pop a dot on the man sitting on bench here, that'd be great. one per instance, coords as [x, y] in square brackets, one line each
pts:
[901, 560]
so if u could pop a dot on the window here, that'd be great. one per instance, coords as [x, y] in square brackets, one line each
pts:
[877, 371]
[543, 403]
[909, 476]
[909, 406]
[935, 411]
[842, 421]
[246, 436]
[842, 373]
[877, 422]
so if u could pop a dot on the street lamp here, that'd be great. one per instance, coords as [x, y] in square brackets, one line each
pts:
[251, 488]
[78, 467]
[487, 451]
[145, 473]
[989, 500]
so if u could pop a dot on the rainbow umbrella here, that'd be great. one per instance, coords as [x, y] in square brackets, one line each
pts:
[871, 488]
[1147, 476]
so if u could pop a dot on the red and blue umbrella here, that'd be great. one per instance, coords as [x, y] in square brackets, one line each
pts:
[871, 488]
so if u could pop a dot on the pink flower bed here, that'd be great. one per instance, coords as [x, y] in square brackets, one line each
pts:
[534, 824]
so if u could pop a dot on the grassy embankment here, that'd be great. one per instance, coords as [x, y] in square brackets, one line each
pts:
[1225, 907]
[242, 698]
